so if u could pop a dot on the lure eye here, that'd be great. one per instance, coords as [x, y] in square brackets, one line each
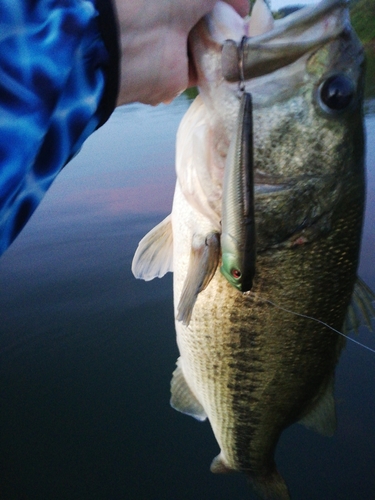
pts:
[336, 93]
[236, 274]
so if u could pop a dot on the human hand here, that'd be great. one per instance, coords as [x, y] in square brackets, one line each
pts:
[154, 46]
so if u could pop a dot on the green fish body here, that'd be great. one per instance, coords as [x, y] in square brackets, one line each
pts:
[254, 363]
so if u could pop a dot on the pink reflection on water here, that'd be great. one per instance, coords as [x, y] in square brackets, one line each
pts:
[142, 199]
[139, 199]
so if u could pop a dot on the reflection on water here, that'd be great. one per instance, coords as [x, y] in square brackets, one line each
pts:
[87, 351]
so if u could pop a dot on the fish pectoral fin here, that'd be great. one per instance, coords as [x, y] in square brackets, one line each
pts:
[154, 255]
[183, 399]
[361, 309]
[322, 416]
[219, 465]
[204, 259]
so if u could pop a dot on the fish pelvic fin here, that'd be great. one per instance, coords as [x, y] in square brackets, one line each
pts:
[154, 255]
[183, 399]
[322, 416]
[361, 310]
[204, 259]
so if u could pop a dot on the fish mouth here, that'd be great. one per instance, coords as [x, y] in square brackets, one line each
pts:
[258, 45]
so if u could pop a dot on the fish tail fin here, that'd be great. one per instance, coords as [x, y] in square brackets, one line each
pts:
[270, 487]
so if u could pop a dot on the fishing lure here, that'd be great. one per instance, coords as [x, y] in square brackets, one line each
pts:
[238, 242]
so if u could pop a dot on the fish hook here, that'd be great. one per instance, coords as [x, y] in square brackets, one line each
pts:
[241, 83]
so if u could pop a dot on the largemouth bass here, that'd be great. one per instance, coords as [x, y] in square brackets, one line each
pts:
[254, 363]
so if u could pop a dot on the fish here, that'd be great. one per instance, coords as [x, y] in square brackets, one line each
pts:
[253, 363]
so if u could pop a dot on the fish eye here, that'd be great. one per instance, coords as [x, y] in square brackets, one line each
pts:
[236, 274]
[336, 93]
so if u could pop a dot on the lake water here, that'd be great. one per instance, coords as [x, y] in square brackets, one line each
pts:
[87, 351]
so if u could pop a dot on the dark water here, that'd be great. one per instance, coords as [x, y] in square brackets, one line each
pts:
[87, 351]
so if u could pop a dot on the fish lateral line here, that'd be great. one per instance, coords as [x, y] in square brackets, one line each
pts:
[256, 295]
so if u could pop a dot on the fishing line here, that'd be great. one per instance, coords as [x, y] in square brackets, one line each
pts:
[317, 320]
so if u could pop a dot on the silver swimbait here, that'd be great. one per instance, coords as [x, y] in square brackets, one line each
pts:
[238, 242]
